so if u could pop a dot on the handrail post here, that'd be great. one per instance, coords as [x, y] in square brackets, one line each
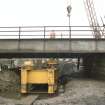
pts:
[44, 44]
[44, 32]
[70, 46]
[19, 38]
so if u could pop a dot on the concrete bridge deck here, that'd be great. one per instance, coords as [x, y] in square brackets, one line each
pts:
[52, 46]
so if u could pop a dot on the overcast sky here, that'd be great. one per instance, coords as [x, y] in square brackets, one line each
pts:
[45, 12]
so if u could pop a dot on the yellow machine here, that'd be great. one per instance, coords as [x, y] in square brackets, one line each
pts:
[32, 78]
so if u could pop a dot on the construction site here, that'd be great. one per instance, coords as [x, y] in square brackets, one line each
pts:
[54, 65]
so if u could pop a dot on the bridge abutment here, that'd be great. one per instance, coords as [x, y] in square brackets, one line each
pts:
[94, 67]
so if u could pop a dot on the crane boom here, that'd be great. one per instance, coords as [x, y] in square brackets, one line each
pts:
[103, 30]
[92, 18]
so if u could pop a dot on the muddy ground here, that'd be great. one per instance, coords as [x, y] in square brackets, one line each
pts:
[77, 92]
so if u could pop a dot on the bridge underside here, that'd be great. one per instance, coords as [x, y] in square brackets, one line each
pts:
[49, 55]
[51, 48]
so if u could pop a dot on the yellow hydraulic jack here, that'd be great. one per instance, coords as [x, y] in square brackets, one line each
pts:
[37, 77]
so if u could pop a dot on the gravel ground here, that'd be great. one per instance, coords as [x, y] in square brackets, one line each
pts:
[79, 92]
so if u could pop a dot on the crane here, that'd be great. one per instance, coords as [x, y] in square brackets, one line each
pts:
[103, 30]
[92, 18]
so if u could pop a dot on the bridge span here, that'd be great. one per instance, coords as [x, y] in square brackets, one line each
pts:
[37, 41]
[59, 47]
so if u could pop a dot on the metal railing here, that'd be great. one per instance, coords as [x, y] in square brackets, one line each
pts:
[46, 32]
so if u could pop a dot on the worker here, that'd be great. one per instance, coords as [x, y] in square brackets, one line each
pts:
[52, 34]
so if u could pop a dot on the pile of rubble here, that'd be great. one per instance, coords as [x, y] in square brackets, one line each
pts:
[9, 83]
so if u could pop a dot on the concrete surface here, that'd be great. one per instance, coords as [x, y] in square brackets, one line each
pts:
[52, 45]
[94, 67]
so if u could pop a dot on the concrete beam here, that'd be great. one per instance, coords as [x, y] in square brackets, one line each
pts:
[53, 45]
